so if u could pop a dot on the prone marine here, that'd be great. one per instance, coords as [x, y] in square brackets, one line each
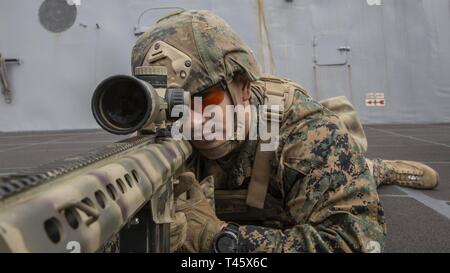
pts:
[315, 193]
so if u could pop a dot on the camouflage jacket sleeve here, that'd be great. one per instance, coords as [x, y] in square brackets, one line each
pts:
[327, 188]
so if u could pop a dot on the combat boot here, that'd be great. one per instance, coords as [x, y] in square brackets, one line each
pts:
[404, 173]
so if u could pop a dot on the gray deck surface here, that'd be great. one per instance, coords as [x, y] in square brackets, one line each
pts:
[418, 221]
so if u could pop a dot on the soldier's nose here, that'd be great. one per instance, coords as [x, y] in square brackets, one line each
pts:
[197, 119]
[197, 122]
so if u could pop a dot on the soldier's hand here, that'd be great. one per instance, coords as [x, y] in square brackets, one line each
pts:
[178, 228]
[178, 231]
[202, 222]
[207, 186]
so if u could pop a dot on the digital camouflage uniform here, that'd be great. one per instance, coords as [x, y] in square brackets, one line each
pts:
[321, 195]
[321, 198]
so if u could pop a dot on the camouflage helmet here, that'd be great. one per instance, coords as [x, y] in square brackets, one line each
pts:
[198, 48]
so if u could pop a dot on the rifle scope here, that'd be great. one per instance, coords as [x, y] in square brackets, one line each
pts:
[124, 104]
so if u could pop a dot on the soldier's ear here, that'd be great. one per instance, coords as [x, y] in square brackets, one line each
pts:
[246, 90]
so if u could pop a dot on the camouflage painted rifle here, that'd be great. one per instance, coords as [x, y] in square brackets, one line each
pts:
[120, 195]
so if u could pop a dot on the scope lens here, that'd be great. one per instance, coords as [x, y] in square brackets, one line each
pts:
[124, 103]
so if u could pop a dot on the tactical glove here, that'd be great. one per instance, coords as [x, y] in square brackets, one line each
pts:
[202, 222]
[178, 230]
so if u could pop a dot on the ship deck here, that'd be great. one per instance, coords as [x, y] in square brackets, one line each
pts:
[418, 221]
